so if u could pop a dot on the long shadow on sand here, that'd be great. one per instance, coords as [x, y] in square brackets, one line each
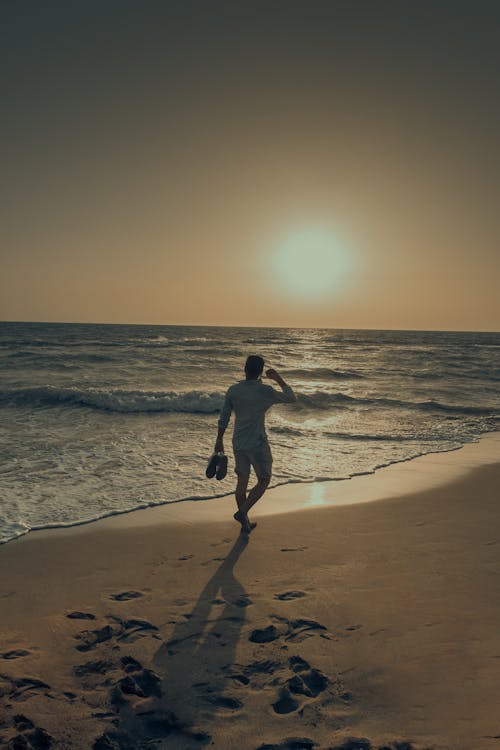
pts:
[193, 666]
[195, 661]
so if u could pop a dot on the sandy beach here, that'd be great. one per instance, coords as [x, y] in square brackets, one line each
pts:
[359, 614]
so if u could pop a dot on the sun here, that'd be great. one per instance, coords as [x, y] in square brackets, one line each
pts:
[310, 262]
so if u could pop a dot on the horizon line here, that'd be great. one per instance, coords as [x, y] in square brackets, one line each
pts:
[203, 325]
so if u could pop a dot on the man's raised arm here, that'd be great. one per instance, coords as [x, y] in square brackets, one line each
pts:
[287, 396]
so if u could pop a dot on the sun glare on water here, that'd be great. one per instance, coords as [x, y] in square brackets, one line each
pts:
[310, 262]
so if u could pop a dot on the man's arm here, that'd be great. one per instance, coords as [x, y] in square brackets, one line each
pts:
[223, 422]
[288, 396]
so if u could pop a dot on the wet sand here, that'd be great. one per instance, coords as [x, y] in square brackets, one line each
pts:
[369, 624]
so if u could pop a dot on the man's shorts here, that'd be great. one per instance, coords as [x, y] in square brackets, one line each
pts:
[260, 458]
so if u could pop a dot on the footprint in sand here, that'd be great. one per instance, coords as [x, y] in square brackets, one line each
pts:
[310, 683]
[134, 680]
[255, 669]
[306, 681]
[264, 635]
[122, 630]
[292, 630]
[289, 595]
[24, 685]
[241, 601]
[293, 549]
[154, 727]
[291, 743]
[298, 664]
[299, 629]
[92, 667]
[286, 704]
[22, 723]
[212, 560]
[144, 684]
[133, 629]
[90, 638]
[15, 654]
[125, 596]
[80, 616]
[224, 701]
[217, 544]
[34, 738]
[362, 743]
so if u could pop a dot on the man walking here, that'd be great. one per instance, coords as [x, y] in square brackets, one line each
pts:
[250, 399]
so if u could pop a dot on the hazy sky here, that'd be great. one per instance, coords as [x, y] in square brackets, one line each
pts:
[160, 159]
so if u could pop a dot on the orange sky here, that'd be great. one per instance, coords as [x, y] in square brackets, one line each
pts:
[156, 152]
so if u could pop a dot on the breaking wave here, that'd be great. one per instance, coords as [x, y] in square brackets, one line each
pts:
[204, 402]
[116, 400]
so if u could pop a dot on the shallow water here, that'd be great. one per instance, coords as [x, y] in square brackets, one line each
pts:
[101, 419]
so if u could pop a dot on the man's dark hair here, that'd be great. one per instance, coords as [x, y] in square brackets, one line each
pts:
[254, 366]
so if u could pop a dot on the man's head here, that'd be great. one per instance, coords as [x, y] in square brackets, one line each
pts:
[254, 367]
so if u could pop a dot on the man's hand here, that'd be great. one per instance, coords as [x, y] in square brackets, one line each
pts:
[273, 375]
[219, 445]
[289, 396]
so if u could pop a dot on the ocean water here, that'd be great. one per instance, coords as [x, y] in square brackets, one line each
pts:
[102, 419]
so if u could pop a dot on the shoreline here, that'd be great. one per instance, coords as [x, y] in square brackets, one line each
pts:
[368, 620]
[406, 476]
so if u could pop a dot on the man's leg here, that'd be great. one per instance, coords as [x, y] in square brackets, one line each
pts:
[256, 493]
[241, 499]
[241, 490]
[262, 462]
[242, 469]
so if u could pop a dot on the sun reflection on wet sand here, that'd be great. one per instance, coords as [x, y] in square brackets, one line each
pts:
[316, 495]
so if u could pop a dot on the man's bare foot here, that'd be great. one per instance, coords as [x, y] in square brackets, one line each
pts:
[242, 518]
